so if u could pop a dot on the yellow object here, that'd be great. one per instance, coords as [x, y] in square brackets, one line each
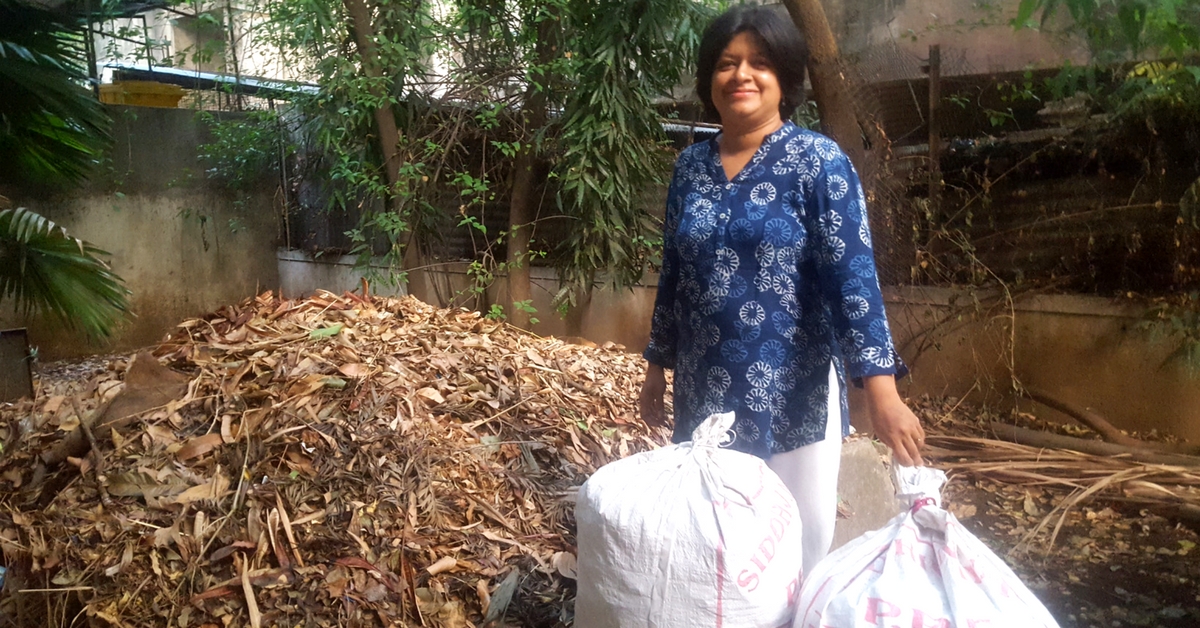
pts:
[141, 93]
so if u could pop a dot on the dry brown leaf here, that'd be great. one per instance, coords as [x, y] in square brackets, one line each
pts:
[334, 451]
[126, 558]
[69, 424]
[16, 477]
[565, 564]
[307, 386]
[445, 563]
[431, 396]
[354, 370]
[163, 537]
[198, 446]
[227, 435]
[214, 489]
[140, 484]
[161, 435]
[53, 404]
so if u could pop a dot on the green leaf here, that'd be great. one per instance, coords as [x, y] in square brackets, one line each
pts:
[1024, 12]
[326, 332]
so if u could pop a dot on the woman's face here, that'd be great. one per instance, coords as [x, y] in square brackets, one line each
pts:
[745, 90]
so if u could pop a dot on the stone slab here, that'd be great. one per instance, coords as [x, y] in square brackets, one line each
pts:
[865, 490]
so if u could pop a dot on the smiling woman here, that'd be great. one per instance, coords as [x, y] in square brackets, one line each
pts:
[768, 297]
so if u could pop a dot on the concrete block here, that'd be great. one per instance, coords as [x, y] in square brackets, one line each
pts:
[865, 489]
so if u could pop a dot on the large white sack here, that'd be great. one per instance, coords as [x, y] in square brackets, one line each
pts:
[923, 569]
[688, 535]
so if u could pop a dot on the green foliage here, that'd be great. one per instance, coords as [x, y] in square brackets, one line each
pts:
[527, 307]
[1124, 29]
[1160, 37]
[244, 149]
[51, 128]
[52, 131]
[337, 133]
[601, 64]
[613, 143]
[43, 269]
[807, 116]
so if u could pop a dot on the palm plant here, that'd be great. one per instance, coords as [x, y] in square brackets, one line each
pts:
[51, 132]
[51, 127]
[42, 268]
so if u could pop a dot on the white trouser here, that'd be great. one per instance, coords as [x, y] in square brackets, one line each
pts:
[811, 474]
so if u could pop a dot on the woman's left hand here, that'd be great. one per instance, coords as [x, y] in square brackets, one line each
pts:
[894, 423]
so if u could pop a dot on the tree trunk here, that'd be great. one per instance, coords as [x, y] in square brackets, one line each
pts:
[830, 86]
[385, 120]
[522, 207]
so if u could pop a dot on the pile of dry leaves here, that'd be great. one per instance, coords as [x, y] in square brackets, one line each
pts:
[338, 460]
[353, 461]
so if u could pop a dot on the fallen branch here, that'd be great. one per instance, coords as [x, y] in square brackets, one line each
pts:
[1106, 430]
[97, 457]
[1014, 434]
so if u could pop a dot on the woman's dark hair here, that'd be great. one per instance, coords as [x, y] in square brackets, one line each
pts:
[783, 44]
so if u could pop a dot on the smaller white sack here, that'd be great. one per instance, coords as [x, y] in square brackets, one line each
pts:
[688, 535]
[923, 569]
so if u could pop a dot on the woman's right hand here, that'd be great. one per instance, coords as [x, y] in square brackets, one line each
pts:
[650, 402]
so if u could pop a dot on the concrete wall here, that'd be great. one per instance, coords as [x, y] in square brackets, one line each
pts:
[183, 244]
[620, 316]
[300, 274]
[892, 37]
[1087, 351]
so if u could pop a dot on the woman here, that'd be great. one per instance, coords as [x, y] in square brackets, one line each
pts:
[768, 295]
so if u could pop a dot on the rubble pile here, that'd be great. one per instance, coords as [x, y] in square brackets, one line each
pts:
[335, 461]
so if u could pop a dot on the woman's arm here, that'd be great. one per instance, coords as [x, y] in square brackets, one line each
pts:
[892, 420]
[664, 333]
[650, 401]
[848, 278]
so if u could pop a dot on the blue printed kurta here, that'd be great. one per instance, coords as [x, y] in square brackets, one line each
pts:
[766, 280]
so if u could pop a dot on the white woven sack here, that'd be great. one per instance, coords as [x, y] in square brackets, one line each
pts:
[688, 535]
[923, 569]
